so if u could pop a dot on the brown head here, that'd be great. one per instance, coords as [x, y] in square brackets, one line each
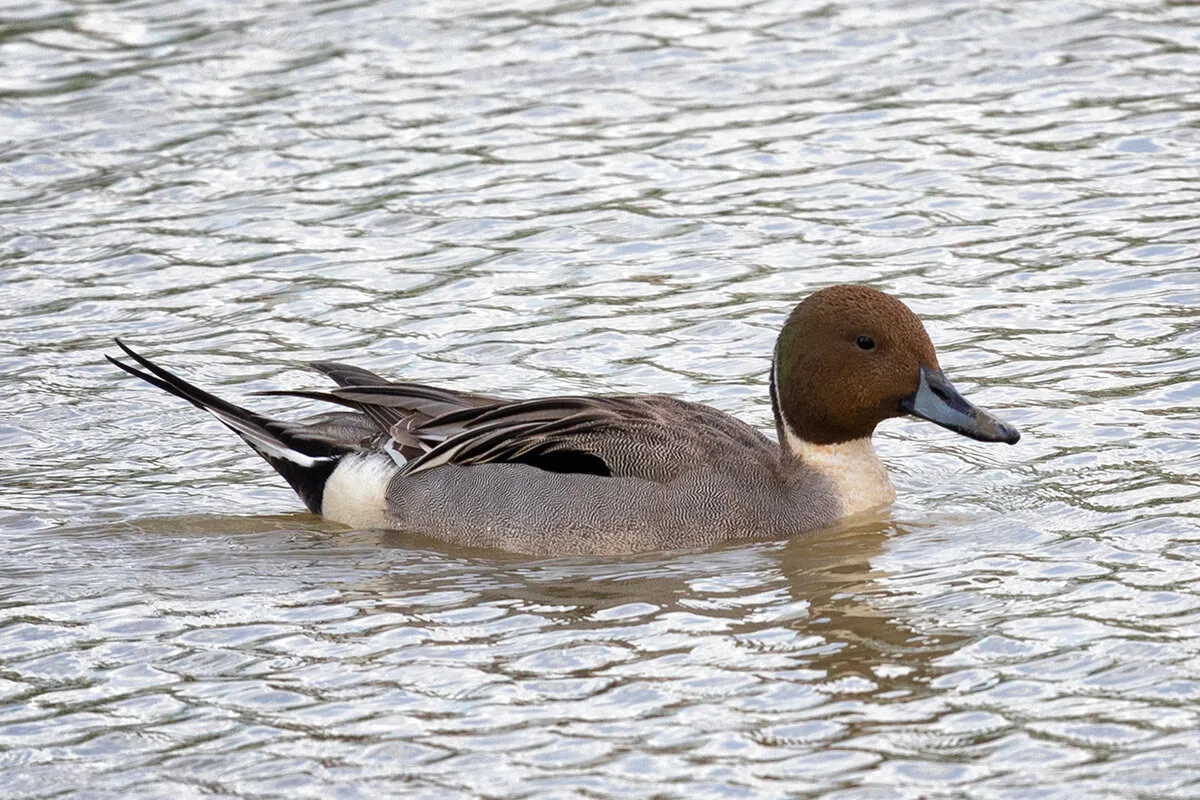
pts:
[849, 357]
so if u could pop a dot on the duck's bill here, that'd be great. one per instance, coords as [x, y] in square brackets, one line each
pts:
[939, 402]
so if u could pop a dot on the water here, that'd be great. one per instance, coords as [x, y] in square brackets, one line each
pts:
[534, 198]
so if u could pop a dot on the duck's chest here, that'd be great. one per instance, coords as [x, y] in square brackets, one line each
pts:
[851, 474]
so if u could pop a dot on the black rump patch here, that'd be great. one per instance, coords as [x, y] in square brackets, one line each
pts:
[308, 482]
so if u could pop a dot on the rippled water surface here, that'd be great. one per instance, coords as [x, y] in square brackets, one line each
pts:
[531, 198]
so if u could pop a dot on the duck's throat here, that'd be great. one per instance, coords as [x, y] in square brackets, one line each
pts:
[852, 470]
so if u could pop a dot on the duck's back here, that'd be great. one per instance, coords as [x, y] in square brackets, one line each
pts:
[630, 473]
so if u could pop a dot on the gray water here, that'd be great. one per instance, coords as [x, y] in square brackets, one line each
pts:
[530, 198]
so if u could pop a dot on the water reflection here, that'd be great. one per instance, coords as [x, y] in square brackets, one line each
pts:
[810, 603]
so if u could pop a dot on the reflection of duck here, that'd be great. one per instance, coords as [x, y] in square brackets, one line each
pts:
[810, 612]
[862, 622]
[617, 473]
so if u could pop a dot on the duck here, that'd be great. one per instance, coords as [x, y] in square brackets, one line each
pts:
[614, 474]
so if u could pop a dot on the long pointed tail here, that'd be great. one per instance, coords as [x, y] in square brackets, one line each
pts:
[303, 459]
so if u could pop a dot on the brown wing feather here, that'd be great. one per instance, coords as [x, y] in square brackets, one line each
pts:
[653, 438]
[396, 409]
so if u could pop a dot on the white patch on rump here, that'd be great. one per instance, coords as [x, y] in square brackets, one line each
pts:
[858, 476]
[356, 492]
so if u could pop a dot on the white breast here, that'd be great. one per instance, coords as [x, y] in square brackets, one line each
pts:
[858, 476]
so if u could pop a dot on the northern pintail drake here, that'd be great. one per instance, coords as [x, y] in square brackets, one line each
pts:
[618, 473]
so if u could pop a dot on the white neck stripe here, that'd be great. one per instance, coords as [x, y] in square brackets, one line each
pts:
[856, 474]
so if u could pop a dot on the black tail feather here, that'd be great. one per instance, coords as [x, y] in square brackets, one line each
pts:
[301, 456]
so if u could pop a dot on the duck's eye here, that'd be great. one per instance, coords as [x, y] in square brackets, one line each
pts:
[865, 343]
